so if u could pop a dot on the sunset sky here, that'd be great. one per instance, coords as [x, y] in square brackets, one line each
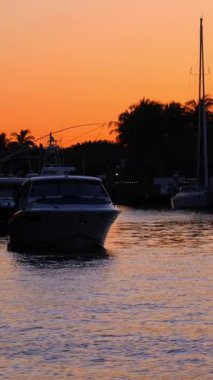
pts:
[71, 62]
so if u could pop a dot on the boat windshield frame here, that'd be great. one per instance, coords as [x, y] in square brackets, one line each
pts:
[62, 192]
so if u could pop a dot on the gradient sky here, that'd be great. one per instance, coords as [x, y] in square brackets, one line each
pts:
[71, 62]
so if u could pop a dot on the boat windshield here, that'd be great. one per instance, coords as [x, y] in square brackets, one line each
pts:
[68, 192]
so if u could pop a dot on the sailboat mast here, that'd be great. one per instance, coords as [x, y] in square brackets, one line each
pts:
[202, 128]
[199, 177]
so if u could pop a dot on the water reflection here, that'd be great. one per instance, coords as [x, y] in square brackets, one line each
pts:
[60, 260]
[163, 229]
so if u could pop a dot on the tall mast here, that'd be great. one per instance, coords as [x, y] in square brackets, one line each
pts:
[202, 128]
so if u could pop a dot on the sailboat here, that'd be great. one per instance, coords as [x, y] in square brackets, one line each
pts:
[197, 195]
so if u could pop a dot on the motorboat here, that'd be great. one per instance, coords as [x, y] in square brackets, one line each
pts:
[9, 187]
[61, 213]
[52, 164]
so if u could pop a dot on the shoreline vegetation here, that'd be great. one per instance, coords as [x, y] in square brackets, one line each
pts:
[153, 140]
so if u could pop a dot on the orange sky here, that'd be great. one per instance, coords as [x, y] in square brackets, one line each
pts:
[70, 62]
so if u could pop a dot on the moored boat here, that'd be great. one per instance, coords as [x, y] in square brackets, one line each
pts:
[9, 188]
[191, 197]
[61, 213]
[198, 196]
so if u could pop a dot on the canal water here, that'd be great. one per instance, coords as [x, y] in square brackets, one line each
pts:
[143, 310]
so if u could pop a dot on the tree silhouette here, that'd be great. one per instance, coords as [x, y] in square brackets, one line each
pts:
[3, 142]
[23, 137]
[137, 125]
[162, 138]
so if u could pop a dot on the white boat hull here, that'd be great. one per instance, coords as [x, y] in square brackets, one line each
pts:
[193, 200]
[63, 229]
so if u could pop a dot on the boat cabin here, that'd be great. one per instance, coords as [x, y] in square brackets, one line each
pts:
[62, 190]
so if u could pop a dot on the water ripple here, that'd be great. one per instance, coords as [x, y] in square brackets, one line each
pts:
[143, 310]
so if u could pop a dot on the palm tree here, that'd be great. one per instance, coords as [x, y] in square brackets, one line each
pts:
[24, 137]
[23, 142]
[192, 109]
